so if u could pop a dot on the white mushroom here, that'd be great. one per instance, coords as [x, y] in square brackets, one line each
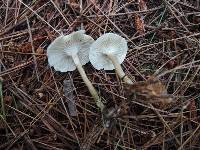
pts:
[66, 53]
[108, 52]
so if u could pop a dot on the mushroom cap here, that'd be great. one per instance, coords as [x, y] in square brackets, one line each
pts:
[60, 51]
[108, 43]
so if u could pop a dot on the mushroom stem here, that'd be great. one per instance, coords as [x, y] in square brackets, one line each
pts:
[91, 88]
[118, 69]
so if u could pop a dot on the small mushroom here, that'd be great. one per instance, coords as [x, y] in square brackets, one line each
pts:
[108, 52]
[66, 53]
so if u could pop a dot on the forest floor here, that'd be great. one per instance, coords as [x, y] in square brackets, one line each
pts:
[41, 108]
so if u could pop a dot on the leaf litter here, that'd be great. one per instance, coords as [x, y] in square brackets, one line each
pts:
[157, 112]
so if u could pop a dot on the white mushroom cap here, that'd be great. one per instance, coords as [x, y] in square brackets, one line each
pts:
[60, 51]
[108, 43]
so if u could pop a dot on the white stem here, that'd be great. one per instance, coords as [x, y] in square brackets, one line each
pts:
[87, 82]
[119, 70]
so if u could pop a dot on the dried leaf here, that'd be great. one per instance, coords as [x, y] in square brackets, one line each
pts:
[139, 24]
[152, 91]
[40, 50]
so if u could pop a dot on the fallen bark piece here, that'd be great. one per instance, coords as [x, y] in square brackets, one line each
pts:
[68, 91]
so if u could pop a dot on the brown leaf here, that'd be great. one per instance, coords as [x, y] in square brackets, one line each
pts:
[151, 91]
[139, 24]
[40, 50]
